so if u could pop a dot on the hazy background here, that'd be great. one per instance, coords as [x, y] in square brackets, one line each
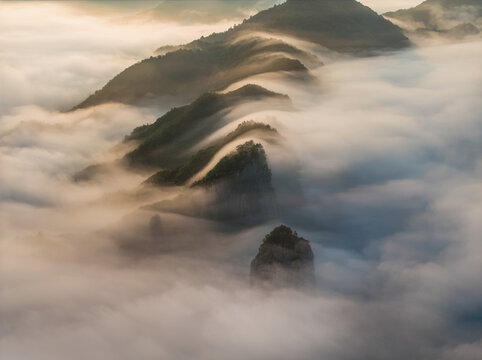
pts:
[388, 152]
[55, 53]
[382, 6]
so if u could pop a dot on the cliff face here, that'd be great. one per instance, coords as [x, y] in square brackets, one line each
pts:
[283, 259]
[237, 190]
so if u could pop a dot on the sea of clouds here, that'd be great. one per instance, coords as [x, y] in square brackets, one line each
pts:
[386, 152]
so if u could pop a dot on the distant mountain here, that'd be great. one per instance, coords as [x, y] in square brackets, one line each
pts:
[283, 259]
[182, 173]
[454, 18]
[164, 142]
[341, 25]
[207, 11]
[205, 66]
[462, 31]
[219, 60]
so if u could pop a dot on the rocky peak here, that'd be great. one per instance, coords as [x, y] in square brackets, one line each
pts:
[283, 259]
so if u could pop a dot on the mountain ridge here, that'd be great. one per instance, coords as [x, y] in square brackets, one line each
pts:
[238, 190]
[340, 25]
[445, 17]
[186, 73]
[159, 142]
[182, 173]
[214, 62]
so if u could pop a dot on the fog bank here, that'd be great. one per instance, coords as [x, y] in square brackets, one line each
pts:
[55, 53]
[387, 155]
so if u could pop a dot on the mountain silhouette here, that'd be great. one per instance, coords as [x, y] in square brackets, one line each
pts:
[212, 63]
[164, 142]
[184, 74]
[454, 18]
[182, 173]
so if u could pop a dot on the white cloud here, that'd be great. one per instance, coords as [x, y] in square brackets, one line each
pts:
[55, 55]
[389, 157]
[382, 6]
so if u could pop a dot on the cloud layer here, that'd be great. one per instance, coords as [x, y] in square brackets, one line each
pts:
[382, 6]
[387, 152]
[54, 55]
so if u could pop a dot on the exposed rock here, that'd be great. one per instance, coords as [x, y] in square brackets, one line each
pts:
[237, 163]
[283, 259]
[241, 184]
[237, 190]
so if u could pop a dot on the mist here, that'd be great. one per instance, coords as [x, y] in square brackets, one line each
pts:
[386, 155]
[390, 5]
[54, 54]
